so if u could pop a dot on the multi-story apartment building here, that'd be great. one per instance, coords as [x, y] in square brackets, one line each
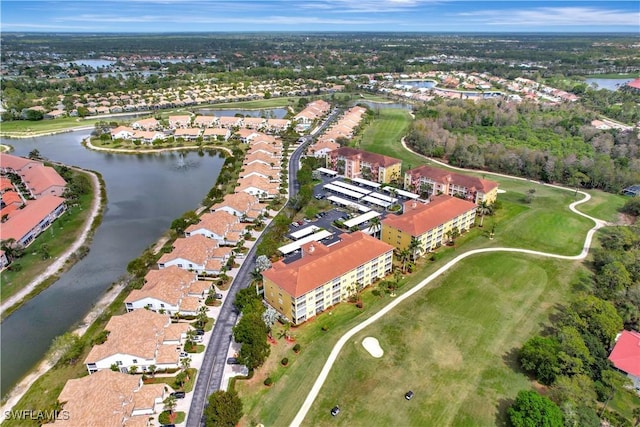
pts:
[354, 163]
[326, 275]
[432, 181]
[428, 223]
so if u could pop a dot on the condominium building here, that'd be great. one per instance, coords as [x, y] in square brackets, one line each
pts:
[354, 163]
[429, 181]
[326, 275]
[428, 223]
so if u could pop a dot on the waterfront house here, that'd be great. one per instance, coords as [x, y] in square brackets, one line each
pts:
[111, 399]
[146, 124]
[214, 225]
[181, 121]
[243, 205]
[167, 290]
[139, 338]
[24, 225]
[326, 275]
[195, 253]
[258, 186]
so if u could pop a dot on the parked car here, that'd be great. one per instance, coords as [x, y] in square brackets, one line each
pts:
[408, 395]
[184, 354]
[197, 338]
[179, 394]
[232, 361]
[335, 410]
[294, 224]
[218, 295]
[199, 331]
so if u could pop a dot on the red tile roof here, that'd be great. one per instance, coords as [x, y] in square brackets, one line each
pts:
[626, 353]
[7, 161]
[20, 224]
[320, 263]
[634, 84]
[418, 218]
[444, 176]
[365, 156]
[41, 179]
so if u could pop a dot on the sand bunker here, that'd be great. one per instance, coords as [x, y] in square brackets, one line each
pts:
[373, 347]
[501, 191]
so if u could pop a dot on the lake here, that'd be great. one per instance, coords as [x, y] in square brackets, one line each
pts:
[146, 192]
[610, 84]
[271, 113]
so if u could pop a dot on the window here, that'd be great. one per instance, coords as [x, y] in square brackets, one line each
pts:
[119, 362]
[161, 305]
[134, 361]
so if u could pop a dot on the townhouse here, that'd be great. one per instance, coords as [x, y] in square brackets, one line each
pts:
[139, 338]
[146, 124]
[189, 134]
[354, 163]
[259, 187]
[428, 180]
[215, 225]
[109, 398]
[326, 275]
[205, 121]
[122, 132]
[313, 111]
[24, 225]
[169, 290]
[322, 147]
[262, 170]
[181, 121]
[216, 133]
[43, 180]
[243, 205]
[196, 253]
[428, 223]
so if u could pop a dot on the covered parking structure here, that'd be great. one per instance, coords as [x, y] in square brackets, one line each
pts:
[350, 187]
[402, 193]
[304, 232]
[343, 191]
[327, 171]
[361, 219]
[292, 247]
[376, 201]
[348, 204]
[367, 183]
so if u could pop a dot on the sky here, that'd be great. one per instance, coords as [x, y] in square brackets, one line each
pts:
[150, 16]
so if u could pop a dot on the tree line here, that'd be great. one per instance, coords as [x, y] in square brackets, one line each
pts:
[550, 144]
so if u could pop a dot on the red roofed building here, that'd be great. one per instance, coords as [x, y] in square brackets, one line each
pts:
[326, 275]
[430, 181]
[24, 225]
[626, 356]
[634, 85]
[428, 223]
[354, 163]
[43, 180]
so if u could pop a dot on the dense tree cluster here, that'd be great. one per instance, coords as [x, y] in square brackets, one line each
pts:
[573, 357]
[251, 330]
[549, 144]
[223, 410]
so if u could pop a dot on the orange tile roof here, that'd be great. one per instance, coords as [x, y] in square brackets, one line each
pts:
[7, 161]
[197, 288]
[259, 183]
[261, 157]
[167, 285]
[136, 333]
[24, 220]
[418, 218]
[41, 179]
[106, 398]
[260, 168]
[10, 197]
[194, 248]
[187, 132]
[167, 354]
[320, 264]
[444, 176]
[175, 331]
[216, 132]
[366, 156]
[218, 222]
[5, 184]
[240, 202]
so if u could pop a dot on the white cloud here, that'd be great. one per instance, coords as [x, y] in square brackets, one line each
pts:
[555, 16]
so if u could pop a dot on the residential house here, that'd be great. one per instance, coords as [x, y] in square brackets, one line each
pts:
[15, 164]
[214, 225]
[256, 123]
[261, 157]
[139, 338]
[326, 275]
[625, 356]
[167, 290]
[229, 122]
[258, 186]
[277, 125]
[181, 121]
[322, 148]
[43, 180]
[262, 170]
[122, 132]
[432, 181]
[354, 163]
[246, 135]
[148, 137]
[146, 124]
[216, 133]
[189, 134]
[428, 223]
[24, 225]
[243, 205]
[54, 114]
[195, 253]
[110, 399]
[205, 121]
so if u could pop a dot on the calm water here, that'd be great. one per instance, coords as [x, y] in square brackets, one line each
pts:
[95, 63]
[146, 192]
[418, 83]
[270, 113]
[610, 84]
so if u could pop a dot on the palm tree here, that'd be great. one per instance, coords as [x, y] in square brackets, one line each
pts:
[170, 403]
[404, 256]
[185, 363]
[414, 247]
[152, 370]
[376, 226]
[482, 210]
[133, 370]
[256, 277]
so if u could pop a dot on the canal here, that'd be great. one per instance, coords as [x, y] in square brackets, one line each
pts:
[145, 193]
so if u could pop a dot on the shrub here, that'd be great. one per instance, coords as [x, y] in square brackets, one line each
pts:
[296, 348]
[284, 361]
[268, 381]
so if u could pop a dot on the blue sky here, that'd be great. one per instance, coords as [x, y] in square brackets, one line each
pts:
[320, 15]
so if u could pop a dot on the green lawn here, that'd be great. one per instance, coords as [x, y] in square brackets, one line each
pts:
[452, 345]
[22, 127]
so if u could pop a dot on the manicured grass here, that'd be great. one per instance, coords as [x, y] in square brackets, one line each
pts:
[171, 381]
[384, 133]
[452, 345]
[56, 239]
[22, 127]
[258, 103]
[166, 418]
[603, 205]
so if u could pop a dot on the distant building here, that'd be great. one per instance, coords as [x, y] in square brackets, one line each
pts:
[326, 275]
[432, 181]
[633, 85]
[354, 163]
[428, 223]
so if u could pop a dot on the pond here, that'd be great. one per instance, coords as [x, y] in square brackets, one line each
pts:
[609, 84]
[146, 192]
[269, 113]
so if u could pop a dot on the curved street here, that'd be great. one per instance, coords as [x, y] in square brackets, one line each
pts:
[315, 389]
